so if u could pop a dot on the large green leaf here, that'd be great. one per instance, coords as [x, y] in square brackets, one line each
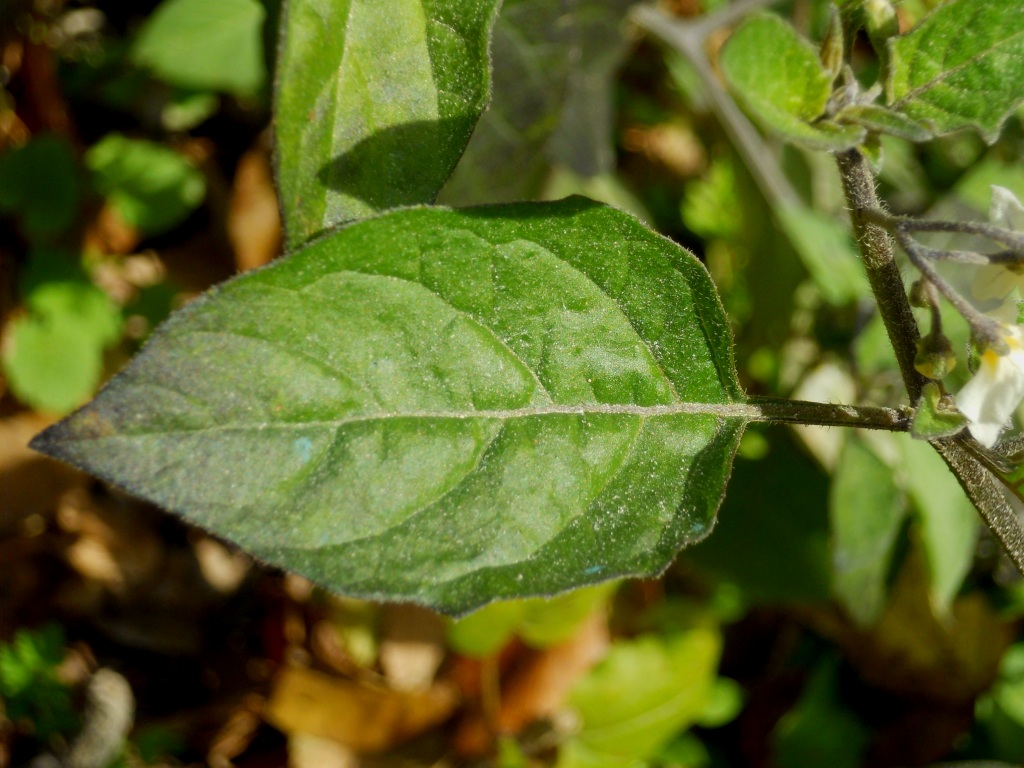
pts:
[554, 66]
[442, 406]
[779, 78]
[962, 66]
[374, 108]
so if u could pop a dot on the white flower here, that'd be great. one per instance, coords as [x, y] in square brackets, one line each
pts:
[996, 281]
[989, 399]
[1005, 210]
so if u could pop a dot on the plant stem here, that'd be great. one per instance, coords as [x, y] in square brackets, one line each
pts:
[1015, 240]
[780, 410]
[883, 272]
[980, 487]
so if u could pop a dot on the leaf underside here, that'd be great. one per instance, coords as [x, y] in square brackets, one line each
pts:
[373, 110]
[449, 407]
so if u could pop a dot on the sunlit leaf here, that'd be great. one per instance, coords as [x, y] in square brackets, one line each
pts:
[205, 45]
[53, 355]
[640, 696]
[443, 406]
[150, 186]
[539, 622]
[373, 109]
[882, 120]
[961, 67]
[779, 78]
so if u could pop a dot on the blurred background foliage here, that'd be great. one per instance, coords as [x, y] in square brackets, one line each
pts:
[847, 610]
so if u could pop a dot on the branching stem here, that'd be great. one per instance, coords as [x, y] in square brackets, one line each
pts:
[880, 264]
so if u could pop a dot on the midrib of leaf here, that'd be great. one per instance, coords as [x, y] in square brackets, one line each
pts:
[948, 73]
[742, 411]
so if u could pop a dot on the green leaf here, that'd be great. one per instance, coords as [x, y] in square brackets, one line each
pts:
[771, 539]
[935, 416]
[948, 521]
[450, 407]
[826, 250]
[29, 687]
[644, 692]
[961, 67]
[151, 187]
[553, 102]
[374, 109]
[39, 183]
[204, 45]
[1001, 712]
[883, 120]
[867, 513]
[779, 78]
[539, 622]
[820, 730]
[53, 358]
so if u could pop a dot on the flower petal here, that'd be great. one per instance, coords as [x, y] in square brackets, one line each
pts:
[990, 398]
[1005, 210]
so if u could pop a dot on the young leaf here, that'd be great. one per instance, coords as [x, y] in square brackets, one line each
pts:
[554, 67]
[883, 120]
[443, 406]
[374, 109]
[779, 78]
[205, 45]
[151, 187]
[960, 67]
[53, 358]
[936, 416]
[539, 622]
[668, 678]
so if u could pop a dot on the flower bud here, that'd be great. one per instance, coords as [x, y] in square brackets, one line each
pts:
[935, 357]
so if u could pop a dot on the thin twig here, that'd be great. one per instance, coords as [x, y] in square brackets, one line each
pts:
[1008, 237]
[985, 329]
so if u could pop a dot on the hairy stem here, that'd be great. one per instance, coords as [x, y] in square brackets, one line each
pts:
[780, 410]
[980, 487]
[883, 273]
